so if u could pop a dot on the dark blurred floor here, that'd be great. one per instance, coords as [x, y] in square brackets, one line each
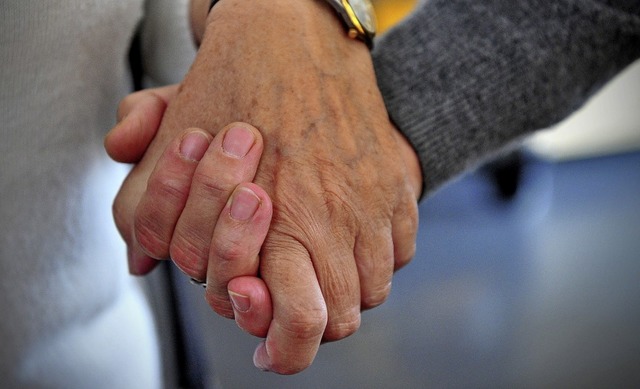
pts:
[539, 291]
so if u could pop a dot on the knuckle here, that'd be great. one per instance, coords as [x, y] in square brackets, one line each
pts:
[191, 257]
[407, 230]
[290, 368]
[413, 218]
[403, 258]
[409, 213]
[168, 189]
[306, 325]
[229, 250]
[374, 298]
[150, 238]
[340, 329]
[211, 187]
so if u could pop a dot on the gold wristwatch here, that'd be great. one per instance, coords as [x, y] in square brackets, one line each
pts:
[357, 15]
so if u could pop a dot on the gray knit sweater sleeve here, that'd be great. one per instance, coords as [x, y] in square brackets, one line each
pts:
[463, 78]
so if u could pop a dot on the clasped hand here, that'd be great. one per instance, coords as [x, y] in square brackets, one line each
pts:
[301, 222]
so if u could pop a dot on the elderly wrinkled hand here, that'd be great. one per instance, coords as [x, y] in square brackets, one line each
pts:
[343, 182]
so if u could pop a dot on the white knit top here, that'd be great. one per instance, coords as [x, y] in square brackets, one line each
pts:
[72, 317]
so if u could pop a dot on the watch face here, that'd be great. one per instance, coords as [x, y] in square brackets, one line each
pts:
[365, 13]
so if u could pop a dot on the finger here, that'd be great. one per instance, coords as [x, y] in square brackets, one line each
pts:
[375, 262]
[237, 239]
[251, 305]
[167, 192]
[139, 117]
[405, 230]
[231, 159]
[139, 263]
[123, 210]
[130, 103]
[337, 274]
[299, 311]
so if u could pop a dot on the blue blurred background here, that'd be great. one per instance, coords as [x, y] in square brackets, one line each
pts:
[527, 274]
[540, 289]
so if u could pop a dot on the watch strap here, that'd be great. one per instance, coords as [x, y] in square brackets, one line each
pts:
[354, 27]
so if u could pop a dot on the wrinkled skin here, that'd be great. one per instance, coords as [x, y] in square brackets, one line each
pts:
[342, 181]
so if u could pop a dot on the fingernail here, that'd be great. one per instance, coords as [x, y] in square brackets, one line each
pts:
[237, 142]
[261, 358]
[244, 204]
[194, 145]
[240, 302]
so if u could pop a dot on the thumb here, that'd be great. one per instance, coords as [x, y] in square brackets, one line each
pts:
[139, 117]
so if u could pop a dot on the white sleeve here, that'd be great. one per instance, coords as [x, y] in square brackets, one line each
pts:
[166, 42]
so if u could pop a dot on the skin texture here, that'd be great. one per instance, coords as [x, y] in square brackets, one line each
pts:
[241, 226]
[342, 181]
[139, 116]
